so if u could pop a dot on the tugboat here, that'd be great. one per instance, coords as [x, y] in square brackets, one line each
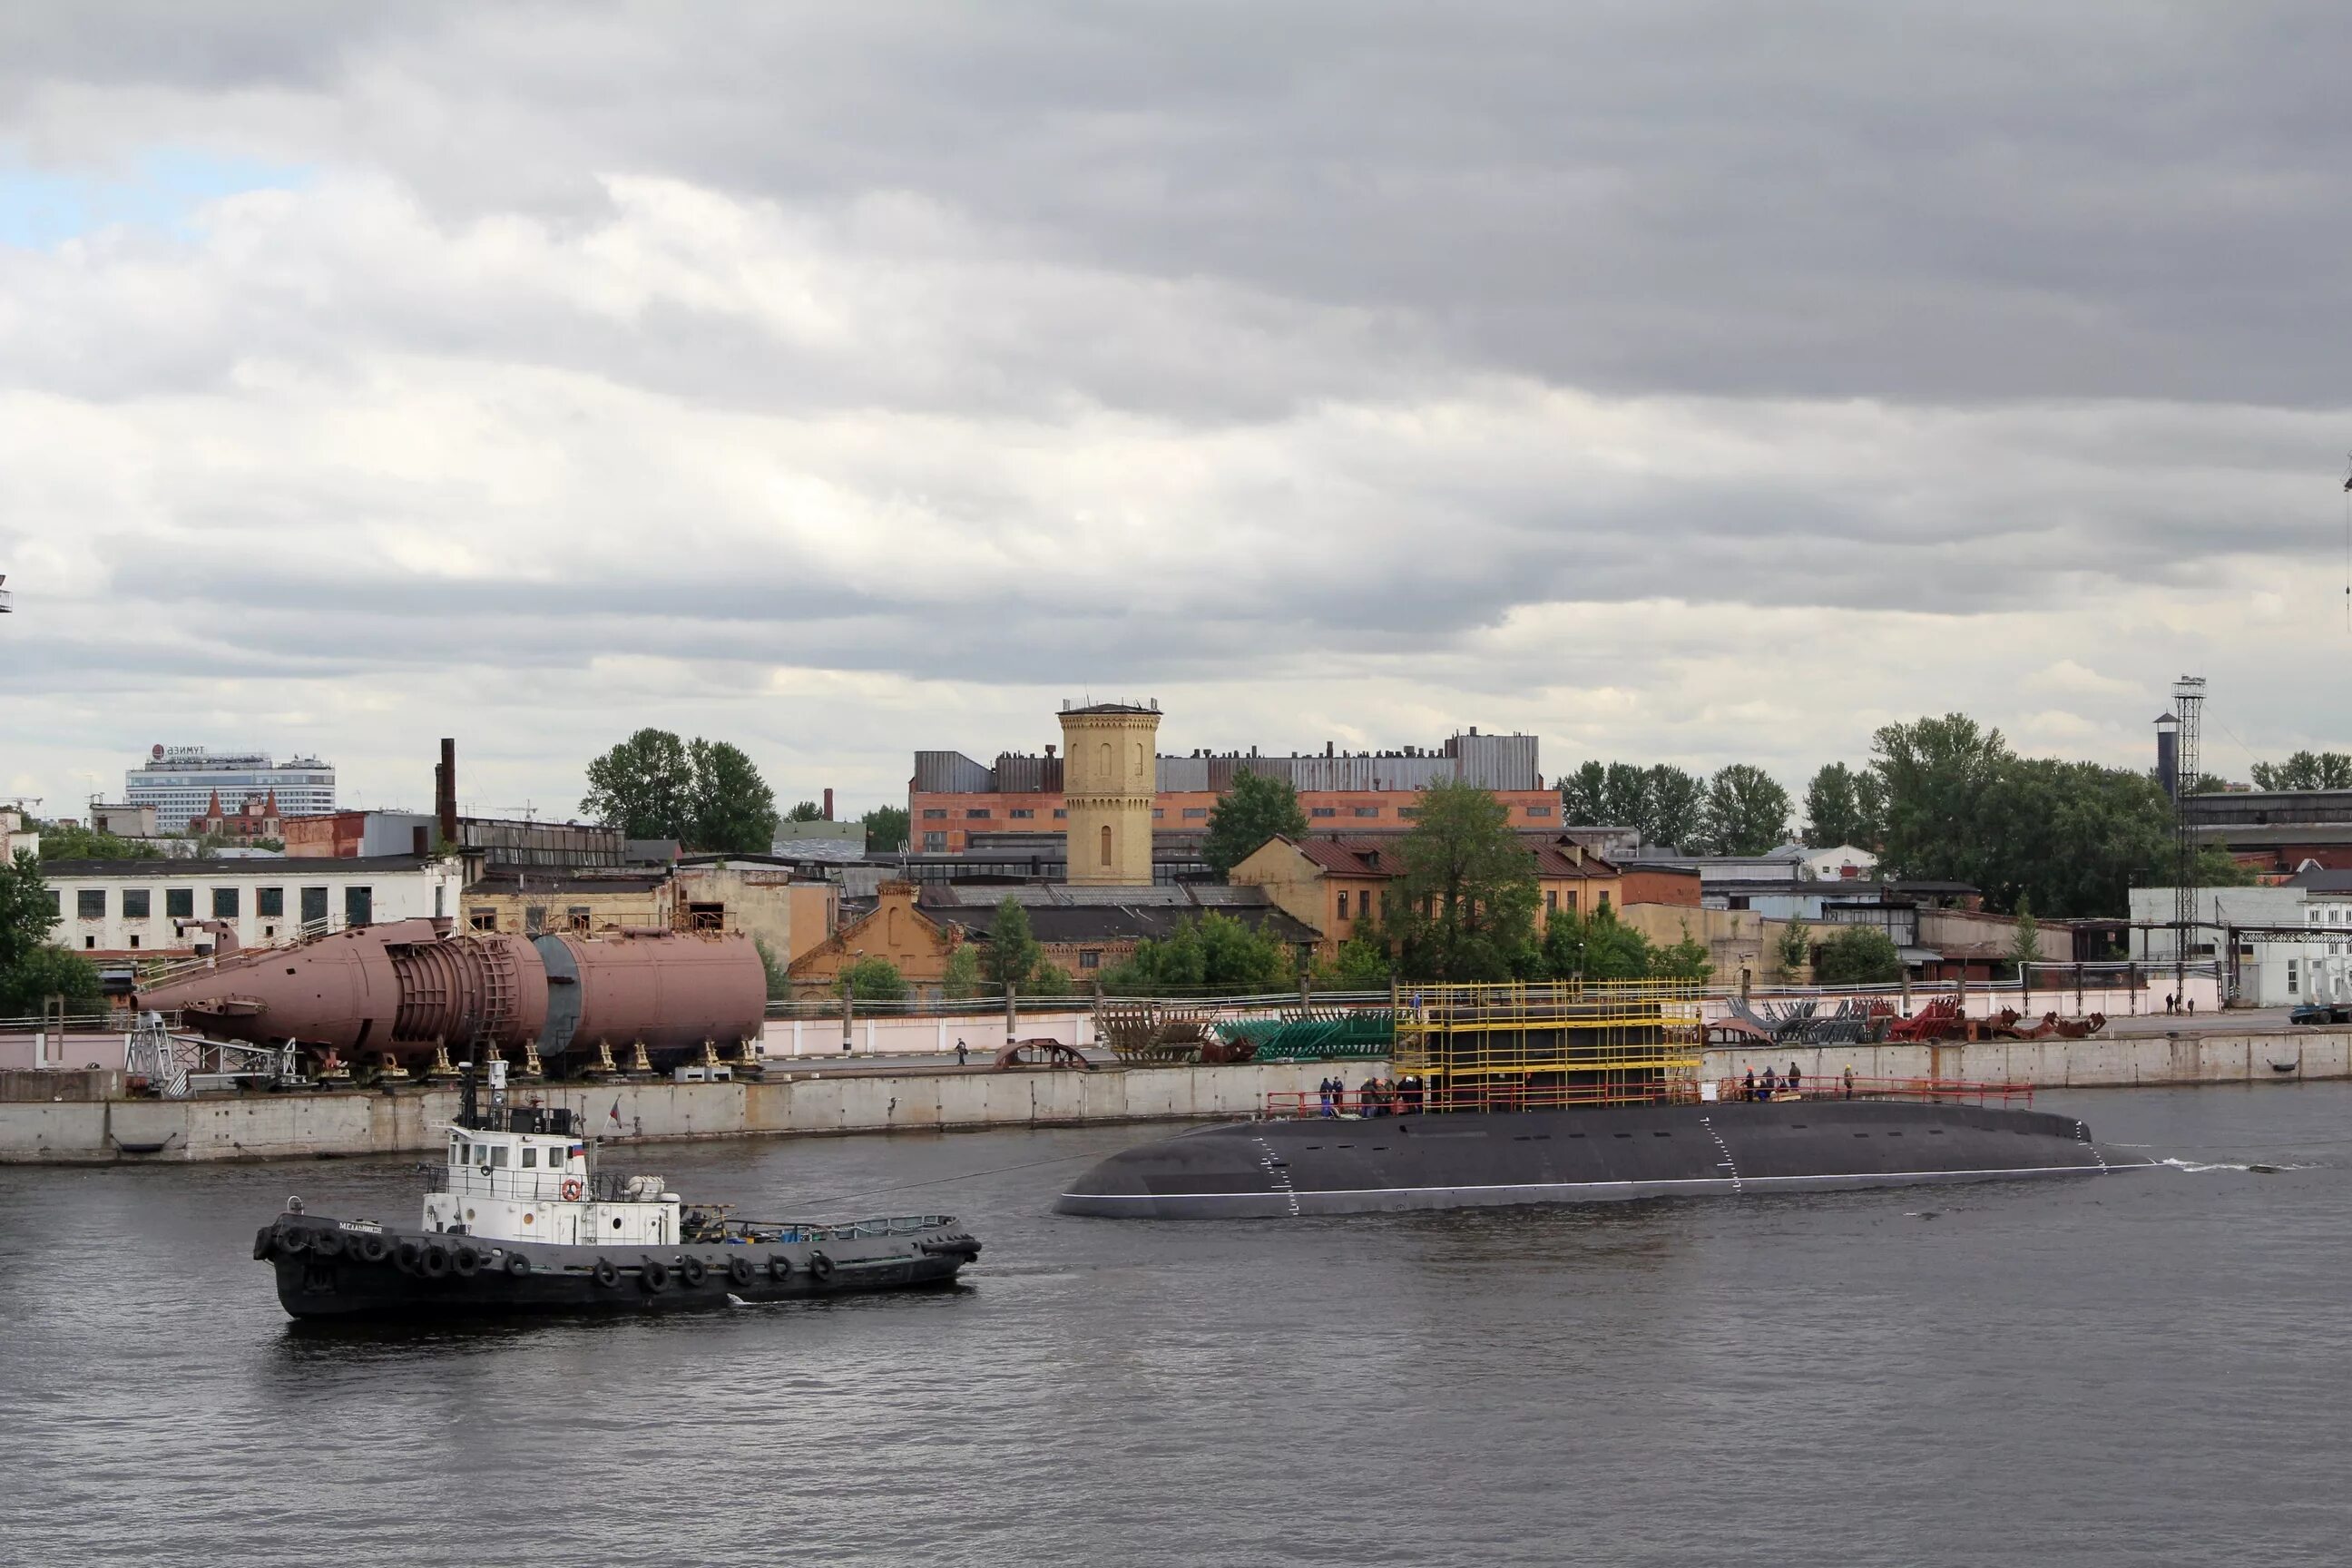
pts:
[519, 1220]
[1521, 1094]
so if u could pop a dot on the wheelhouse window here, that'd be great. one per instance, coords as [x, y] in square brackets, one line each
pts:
[529, 1157]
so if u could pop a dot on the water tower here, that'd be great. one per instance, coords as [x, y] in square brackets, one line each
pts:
[1109, 778]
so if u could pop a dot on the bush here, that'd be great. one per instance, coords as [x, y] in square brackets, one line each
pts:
[872, 980]
[1857, 955]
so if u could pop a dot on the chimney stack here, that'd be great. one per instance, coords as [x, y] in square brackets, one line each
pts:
[828, 802]
[445, 791]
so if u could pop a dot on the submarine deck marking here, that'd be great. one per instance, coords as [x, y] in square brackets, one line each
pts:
[1727, 1163]
[1654, 1181]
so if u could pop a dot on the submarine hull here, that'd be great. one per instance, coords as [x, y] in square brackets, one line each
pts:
[1280, 1169]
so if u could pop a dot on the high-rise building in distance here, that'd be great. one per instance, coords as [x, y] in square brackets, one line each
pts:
[179, 782]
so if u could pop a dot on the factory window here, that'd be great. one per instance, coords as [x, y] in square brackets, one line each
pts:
[482, 920]
[1368, 810]
[579, 917]
[1022, 811]
[1324, 811]
[1600, 904]
[1157, 814]
[1408, 812]
[1343, 903]
[134, 939]
[134, 903]
[1059, 813]
[314, 906]
[709, 917]
[534, 918]
[1195, 813]
[90, 941]
[935, 814]
[977, 813]
[90, 903]
[1551, 900]
[1571, 902]
[1090, 958]
[179, 903]
[1539, 811]
[934, 843]
[1106, 836]
[359, 905]
[2291, 977]
[56, 901]
[224, 903]
[270, 902]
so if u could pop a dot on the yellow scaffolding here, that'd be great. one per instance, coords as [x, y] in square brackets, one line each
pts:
[1589, 1042]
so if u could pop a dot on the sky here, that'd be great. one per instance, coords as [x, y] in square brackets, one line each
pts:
[1692, 382]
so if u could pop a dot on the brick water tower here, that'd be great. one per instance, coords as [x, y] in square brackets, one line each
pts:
[1110, 773]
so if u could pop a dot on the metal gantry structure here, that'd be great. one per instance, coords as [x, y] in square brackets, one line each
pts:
[2188, 709]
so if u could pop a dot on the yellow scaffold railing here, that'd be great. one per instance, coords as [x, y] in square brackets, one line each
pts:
[1601, 1033]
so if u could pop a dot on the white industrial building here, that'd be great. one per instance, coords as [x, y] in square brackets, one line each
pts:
[180, 782]
[135, 908]
[2254, 930]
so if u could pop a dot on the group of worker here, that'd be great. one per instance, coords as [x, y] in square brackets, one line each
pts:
[1773, 1086]
[1374, 1097]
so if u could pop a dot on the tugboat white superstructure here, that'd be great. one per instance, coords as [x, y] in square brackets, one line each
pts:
[519, 1220]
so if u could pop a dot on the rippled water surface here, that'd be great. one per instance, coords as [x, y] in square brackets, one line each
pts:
[2149, 1369]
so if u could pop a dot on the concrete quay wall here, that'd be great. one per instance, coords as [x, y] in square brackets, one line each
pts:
[291, 1126]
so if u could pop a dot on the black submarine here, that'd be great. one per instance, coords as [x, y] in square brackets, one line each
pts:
[1578, 1094]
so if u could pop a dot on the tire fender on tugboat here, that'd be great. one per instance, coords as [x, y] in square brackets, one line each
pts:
[654, 1275]
[740, 1270]
[692, 1271]
[821, 1267]
[606, 1273]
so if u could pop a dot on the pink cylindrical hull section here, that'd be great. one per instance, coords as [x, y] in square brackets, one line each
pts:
[669, 991]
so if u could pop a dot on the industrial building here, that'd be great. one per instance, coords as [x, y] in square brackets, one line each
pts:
[952, 801]
[2276, 833]
[182, 782]
[2279, 945]
[156, 909]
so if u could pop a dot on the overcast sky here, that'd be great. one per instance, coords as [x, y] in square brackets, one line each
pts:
[1695, 383]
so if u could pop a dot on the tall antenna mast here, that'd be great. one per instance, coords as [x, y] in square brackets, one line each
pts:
[2188, 707]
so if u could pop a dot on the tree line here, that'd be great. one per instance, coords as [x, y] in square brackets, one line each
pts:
[1942, 799]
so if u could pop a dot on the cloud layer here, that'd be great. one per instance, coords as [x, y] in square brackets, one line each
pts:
[1690, 382]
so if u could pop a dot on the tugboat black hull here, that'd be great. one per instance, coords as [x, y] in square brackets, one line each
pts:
[328, 1268]
[1279, 1169]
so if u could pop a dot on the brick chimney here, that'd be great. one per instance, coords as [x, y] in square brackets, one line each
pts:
[445, 791]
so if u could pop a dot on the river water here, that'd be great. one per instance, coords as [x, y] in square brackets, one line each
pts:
[2144, 1369]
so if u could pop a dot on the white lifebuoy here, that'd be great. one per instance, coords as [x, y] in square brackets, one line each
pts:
[571, 1189]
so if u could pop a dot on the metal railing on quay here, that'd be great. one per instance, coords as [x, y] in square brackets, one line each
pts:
[1407, 1099]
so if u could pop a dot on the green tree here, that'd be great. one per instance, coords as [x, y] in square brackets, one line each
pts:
[885, 830]
[1796, 946]
[805, 811]
[1594, 947]
[1258, 807]
[730, 807]
[963, 979]
[1684, 959]
[1857, 955]
[30, 969]
[2024, 940]
[1013, 953]
[641, 786]
[1842, 808]
[1662, 802]
[1747, 811]
[1362, 964]
[1050, 979]
[707, 794]
[1935, 774]
[1673, 807]
[2306, 770]
[71, 841]
[1466, 895]
[872, 980]
[1211, 952]
[780, 983]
